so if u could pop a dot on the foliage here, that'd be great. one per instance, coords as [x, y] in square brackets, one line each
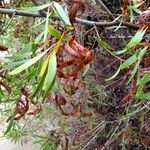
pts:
[46, 80]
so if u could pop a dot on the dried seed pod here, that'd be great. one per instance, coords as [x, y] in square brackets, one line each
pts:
[60, 100]
[3, 48]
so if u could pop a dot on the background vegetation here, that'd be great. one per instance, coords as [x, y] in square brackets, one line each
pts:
[76, 74]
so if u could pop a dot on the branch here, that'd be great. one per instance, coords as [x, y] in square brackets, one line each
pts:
[86, 22]
[107, 24]
[3, 30]
[20, 13]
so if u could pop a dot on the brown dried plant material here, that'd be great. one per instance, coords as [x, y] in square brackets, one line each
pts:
[79, 57]
[6, 86]
[22, 106]
[124, 8]
[60, 100]
[3, 48]
[144, 17]
[77, 8]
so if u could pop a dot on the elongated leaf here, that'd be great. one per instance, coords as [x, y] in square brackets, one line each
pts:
[143, 82]
[61, 13]
[134, 41]
[54, 32]
[139, 58]
[44, 67]
[27, 64]
[56, 48]
[20, 56]
[51, 72]
[36, 8]
[40, 85]
[114, 75]
[49, 147]
[142, 52]
[49, 89]
[58, 44]
[11, 123]
[103, 44]
[86, 69]
[144, 96]
[131, 60]
[134, 70]
[46, 26]
[39, 37]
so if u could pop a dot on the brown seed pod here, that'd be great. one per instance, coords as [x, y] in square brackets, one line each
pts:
[3, 48]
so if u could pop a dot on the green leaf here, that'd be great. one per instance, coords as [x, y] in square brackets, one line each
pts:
[114, 75]
[39, 87]
[139, 58]
[46, 26]
[139, 93]
[86, 69]
[39, 37]
[44, 66]
[51, 72]
[21, 56]
[36, 8]
[103, 44]
[11, 123]
[61, 13]
[134, 70]
[12, 65]
[27, 64]
[144, 96]
[142, 52]
[134, 41]
[49, 147]
[54, 32]
[129, 62]
[49, 89]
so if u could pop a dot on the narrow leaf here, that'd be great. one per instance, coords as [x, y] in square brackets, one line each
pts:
[27, 64]
[131, 60]
[143, 82]
[54, 32]
[11, 123]
[134, 41]
[114, 75]
[36, 8]
[103, 44]
[61, 13]
[51, 72]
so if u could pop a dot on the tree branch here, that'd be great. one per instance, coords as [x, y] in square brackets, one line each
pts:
[107, 24]
[20, 13]
[86, 22]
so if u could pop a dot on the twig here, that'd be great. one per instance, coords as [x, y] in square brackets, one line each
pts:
[105, 8]
[20, 13]
[3, 30]
[93, 136]
[42, 12]
[106, 24]
[86, 22]
[119, 22]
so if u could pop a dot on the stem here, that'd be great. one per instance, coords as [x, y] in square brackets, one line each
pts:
[105, 8]
[86, 22]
